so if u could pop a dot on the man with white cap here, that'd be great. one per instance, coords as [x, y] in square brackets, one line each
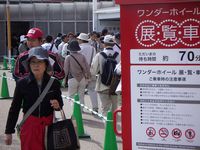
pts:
[89, 52]
[23, 44]
[107, 101]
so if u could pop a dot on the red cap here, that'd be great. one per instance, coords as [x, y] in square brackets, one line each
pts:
[34, 33]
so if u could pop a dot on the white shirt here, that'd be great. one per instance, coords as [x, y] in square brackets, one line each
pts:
[88, 51]
[65, 51]
[60, 47]
[47, 46]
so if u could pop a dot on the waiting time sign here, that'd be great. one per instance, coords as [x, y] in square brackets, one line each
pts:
[165, 100]
[165, 78]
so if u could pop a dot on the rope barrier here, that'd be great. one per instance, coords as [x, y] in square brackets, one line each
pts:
[87, 108]
[71, 99]
[9, 58]
[8, 78]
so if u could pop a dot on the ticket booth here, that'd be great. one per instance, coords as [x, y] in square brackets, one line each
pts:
[160, 74]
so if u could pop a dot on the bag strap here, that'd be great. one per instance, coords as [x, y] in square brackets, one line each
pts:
[105, 56]
[115, 55]
[38, 101]
[92, 56]
[118, 46]
[63, 117]
[51, 47]
[77, 62]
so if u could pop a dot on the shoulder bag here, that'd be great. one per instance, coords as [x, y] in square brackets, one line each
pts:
[61, 135]
[35, 105]
[80, 67]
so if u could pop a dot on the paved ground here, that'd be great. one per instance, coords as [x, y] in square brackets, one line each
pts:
[93, 125]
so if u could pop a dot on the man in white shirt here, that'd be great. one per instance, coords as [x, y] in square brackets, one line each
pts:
[49, 44]
[117, 46]
[107, 101]
[89, 52]
[60, 46]
[65, 50]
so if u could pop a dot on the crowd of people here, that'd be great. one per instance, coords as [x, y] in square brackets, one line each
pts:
[75, 59]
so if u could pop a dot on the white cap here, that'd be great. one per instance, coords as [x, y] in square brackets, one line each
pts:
[23, 38]
[83, 36]
[108, 39]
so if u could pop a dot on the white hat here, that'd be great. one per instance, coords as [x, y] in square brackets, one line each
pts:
[23, 38]
[108, 39]
[83, 36]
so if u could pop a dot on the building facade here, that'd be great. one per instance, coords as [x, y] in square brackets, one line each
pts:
[52, 16]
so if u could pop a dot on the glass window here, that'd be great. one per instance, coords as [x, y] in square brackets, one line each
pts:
[54, 11]
[41, 11]
[82, 27]
[55, 28]
[82, 11]
[68, 27]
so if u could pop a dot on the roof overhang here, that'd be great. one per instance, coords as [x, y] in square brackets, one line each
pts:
[108, 13]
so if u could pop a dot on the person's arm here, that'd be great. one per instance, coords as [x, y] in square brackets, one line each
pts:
[66, 66]
[86, 68]
[95, 68]
[13, 115]
[14, 110]
[118, 68]
[57, 103]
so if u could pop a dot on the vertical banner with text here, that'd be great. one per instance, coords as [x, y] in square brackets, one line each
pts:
[165, 77]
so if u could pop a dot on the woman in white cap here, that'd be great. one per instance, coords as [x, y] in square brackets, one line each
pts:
[26, 93]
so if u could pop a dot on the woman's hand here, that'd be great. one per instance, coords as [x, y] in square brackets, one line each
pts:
[55, 104]
[8, 139]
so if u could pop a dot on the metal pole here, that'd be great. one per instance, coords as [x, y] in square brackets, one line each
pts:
[94, 8]
[8, 29]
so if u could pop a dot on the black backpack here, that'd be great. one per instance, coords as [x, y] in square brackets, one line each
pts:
[57, 42]
[108, 68]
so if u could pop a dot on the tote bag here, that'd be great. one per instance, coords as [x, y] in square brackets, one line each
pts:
[61, 135]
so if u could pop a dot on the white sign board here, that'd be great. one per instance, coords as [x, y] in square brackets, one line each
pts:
[165, 101]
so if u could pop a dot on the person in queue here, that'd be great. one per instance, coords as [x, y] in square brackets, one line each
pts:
[27, 90]
[34, 39]
[77, 70]
[108, 102]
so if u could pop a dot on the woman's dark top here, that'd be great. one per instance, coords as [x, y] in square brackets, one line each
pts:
[26, 94]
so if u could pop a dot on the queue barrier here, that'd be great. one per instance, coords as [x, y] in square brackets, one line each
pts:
[4, 88]
[6, 61]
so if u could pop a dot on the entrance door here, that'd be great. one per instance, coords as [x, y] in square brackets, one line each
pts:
[17, 29]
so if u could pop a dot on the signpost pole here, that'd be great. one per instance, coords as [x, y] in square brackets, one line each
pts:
[8, 29]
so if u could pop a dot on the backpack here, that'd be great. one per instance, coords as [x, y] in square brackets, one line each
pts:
[21, 66]
[57, 42]
[108, 68]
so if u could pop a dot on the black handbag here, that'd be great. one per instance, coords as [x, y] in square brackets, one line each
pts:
[61, 135]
